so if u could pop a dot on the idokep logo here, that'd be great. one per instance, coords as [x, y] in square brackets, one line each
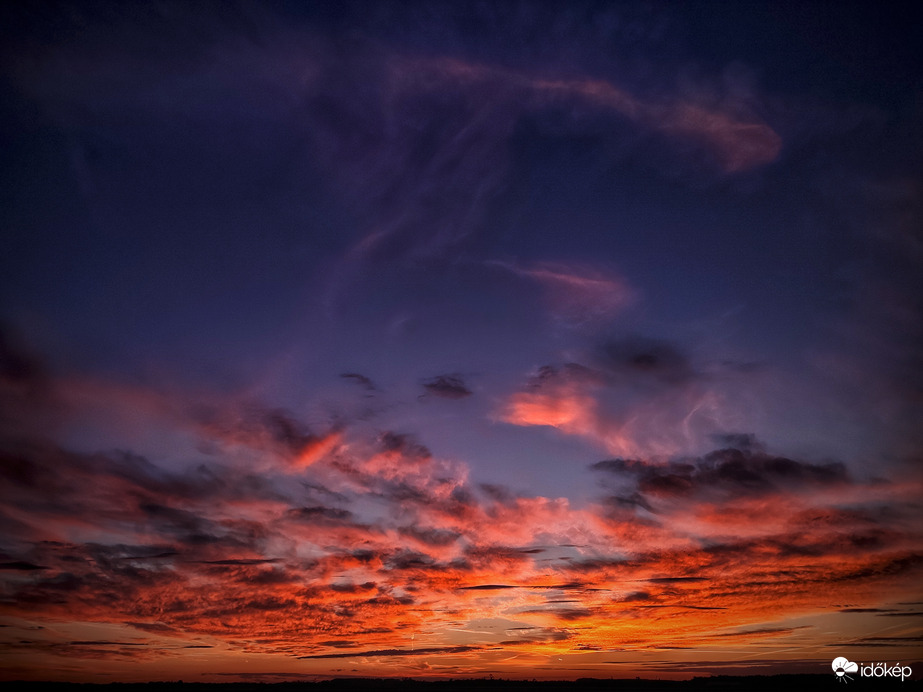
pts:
[842, 666]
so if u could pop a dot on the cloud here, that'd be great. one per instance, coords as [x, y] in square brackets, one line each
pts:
[381, 537]
[391, 583]
[93, 650]
[153, 627]
[684, 606]
[762, 632]
[20, 566]
[233, 563]
[423, 651]
[428, 152]
[430, 536]
[881, 642]
[629, 396]
[403, 446]
[737, 141]
[423, 152]
[577, 295]
[644, 360]
[18, 366]
[318, 514]
[726, 473]
[263, 430]
[361, 380]
[447, 387]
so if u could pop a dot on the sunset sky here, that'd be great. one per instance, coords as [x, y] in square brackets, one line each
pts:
[448, 339]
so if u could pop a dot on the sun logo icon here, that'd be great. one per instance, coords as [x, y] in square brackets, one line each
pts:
[841, 666]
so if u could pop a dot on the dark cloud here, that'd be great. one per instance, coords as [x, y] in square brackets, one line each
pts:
[867, 610]
[286, 431]
[318, 489]
[915, 638]
[740, 672]
[320, 515]
[546, 587]
[746, 442]
[549, 375]
[412, 496]
[885, 565]
[152, 627]
[53, 481]
[18, 366]
[764, 631]
[498, 493]
[646, 359]
[276, 576]
[188, 526]
[240, 562]
[104, 643]
[426, 651]
[361, 380]
[727, 472]
[683, 606]
[430, 536]
[154, 556]
[339, 643]
[411, 560]
[622, 502]
[353, 588]
[120, 489]
[574, 613]
[403, 444]
[92, 650]
[486, 555]
[880, 642]
[262, 429]
[589, 565]
[20, 566]
[636, 596]
[363, 556]
[536, 634]
[447, 387]
[904, 614]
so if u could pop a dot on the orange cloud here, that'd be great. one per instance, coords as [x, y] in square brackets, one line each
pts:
[378, 548]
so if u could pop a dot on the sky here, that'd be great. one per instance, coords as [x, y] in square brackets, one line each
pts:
[454, 339]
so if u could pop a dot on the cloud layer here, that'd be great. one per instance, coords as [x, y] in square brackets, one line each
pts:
[380, 550]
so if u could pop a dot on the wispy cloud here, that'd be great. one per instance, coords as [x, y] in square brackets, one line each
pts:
[634, 396]
[576, 295]
[737, 142]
